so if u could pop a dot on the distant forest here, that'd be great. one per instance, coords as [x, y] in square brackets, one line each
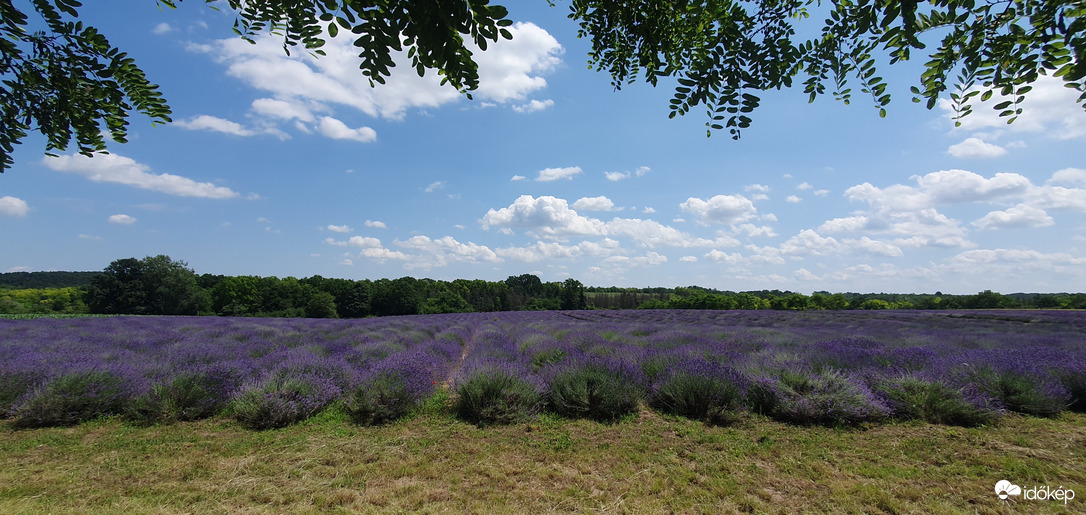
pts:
[161, 286]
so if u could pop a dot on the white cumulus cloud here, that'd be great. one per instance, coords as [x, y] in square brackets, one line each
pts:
[1049, 109]
[122, 219]
[443, 250]
[339, 228]
[355, 241]
[1069, 176]
[965, 186]
[13, 206]
[283, 109]
[123, 170]
[600, 203]
[554, 174]
[533, 106]
[335, 129]
[547, 215]
[508, 72]
[214, 124]
[1022, 215]
[721, 209]
[975, 147]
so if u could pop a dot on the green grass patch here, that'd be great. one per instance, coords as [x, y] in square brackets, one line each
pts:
[433, 462]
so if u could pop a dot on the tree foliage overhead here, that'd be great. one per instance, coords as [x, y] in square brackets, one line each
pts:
[64, 79]
[432, 31]
[723, 52]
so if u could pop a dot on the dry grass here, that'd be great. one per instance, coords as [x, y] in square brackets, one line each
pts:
[433, 463]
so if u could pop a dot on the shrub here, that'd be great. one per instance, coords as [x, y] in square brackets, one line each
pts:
[1075, 383]
[21, 371]
[14, 385]
[596, 391]
[1030, 394]
[393, 388]
[72, 398]
[497, 393]
[279, 400]
[828, 397]
[189, 395]
[700, 390]
[912, 397]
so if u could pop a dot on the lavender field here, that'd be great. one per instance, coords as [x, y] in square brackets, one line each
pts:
[965, 368]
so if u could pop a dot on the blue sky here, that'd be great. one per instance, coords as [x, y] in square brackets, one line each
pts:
[294, 166]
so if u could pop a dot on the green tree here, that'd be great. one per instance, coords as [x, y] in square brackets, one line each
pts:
[236, 296]
[572, 295]
[67, 80]
[874, 304]
[321, 304]
[396, 297]
[357, 299]
[119, 289]
[154, 285]
[445, 301]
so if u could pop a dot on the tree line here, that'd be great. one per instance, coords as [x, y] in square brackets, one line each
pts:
[159, 285]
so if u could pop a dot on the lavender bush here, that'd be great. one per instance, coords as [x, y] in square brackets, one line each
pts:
[596, 389]
[829, 397]
[393, 387]
[192, 394]
[280, 400]
[497, 392]
[914, 397]
[72, 398]
[701, 390]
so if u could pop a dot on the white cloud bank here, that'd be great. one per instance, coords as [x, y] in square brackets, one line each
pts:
[508, 72]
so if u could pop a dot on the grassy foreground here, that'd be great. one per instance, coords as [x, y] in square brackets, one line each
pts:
[434, 463]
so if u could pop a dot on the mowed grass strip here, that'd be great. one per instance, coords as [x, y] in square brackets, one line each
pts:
[434, 463]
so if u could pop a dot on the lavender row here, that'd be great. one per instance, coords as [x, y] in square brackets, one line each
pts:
[966, 368]
[264, 372]
[820, 368]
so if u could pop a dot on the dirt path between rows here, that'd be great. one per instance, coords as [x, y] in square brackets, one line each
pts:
[466, 349]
